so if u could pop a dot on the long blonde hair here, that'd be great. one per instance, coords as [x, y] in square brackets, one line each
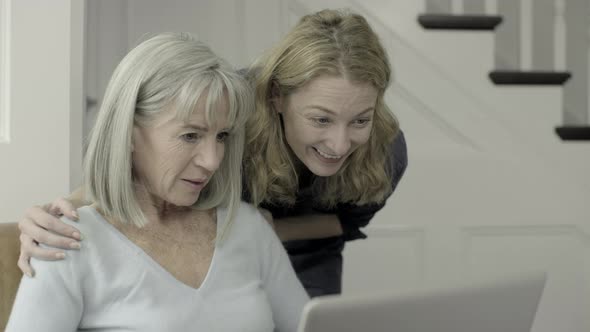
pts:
[329, 42]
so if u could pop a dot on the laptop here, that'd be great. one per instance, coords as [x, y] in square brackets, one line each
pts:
[508, 305]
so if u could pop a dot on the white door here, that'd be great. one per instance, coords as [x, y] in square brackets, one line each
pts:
[41, 103]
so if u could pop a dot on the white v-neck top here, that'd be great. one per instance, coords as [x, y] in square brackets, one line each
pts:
[113, 285]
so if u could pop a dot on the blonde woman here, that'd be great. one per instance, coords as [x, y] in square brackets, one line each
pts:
[323, 151]
[169, 246]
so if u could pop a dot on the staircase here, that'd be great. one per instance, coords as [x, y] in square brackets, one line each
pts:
[577, 129]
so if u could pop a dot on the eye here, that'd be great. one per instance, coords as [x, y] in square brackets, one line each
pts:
[321, 121]
[222, 137]
[190, 137]
[361, 122]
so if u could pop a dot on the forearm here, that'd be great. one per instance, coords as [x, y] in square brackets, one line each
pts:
[308, 227]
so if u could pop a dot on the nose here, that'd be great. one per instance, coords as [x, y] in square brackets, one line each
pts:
[339, 141]
[209, 155]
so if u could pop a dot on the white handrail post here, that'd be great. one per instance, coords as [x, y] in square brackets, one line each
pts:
[526, 40]
[543, 35]
[477, 7]
[438, 6]
[491, 7]
[507, 46]
[559, 48]
[457, 7]
[575, 91]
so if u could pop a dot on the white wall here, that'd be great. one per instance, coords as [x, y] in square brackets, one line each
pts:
[41, 158]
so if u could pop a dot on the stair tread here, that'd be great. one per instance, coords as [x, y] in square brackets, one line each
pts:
[459, 22]
[516, 77]
[573, 133]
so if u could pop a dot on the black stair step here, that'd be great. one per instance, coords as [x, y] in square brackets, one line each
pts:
[514, 77]
[459, 22]
[573, 133]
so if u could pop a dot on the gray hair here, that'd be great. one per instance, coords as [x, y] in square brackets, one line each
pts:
[168, 68]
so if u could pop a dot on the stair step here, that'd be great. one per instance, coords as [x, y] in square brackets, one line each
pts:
[515, 77]
[573, 133]
[459, 22]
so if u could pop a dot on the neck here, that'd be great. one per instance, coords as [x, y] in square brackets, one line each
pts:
[157, 209]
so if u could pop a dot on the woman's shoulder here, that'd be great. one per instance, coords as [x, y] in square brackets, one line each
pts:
[248, 211]
[78, 260]
[248, 218]
[96, 231]
[89, 220]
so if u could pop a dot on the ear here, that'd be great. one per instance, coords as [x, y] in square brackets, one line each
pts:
[277, 103]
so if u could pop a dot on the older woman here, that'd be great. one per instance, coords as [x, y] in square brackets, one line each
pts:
[168, 244]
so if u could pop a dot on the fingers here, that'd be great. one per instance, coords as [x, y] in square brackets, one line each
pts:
[42, 235]
[39, 226]
[62, 206]
[36, 223]
[24, 266]
[28, 248]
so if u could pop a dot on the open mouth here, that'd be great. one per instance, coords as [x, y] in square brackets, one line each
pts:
[327, 157]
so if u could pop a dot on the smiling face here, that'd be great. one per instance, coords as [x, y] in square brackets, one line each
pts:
[326, 120]
[173, 159]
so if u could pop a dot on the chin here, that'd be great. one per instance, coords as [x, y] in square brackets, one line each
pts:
[188, 201]
[324, 171]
